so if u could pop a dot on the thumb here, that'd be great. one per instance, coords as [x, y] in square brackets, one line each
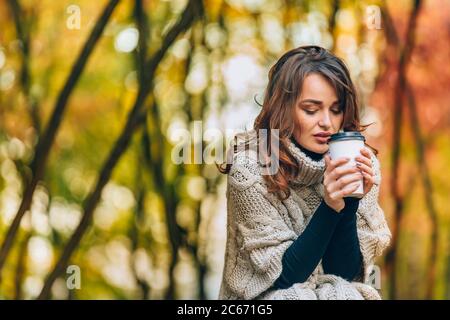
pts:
[327, 160]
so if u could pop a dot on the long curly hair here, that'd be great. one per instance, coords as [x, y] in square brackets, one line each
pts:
[285, 82]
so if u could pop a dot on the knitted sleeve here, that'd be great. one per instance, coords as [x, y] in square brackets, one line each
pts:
[265, 235]
[261, 232]
[373, 232]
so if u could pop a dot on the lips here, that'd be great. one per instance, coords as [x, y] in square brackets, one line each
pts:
[323, 135]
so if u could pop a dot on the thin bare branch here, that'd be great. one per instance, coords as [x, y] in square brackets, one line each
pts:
[21, 266]
[23, 26]
[332, 21]
[401, 85]
[43, 148]
[428, 191]
[192, 11]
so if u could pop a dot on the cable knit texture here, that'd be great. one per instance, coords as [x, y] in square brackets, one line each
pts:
[260, 228]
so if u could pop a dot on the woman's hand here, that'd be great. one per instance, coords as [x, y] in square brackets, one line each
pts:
[364, 163]
[339, 181]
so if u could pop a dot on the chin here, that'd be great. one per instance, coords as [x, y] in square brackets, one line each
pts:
[320, 148]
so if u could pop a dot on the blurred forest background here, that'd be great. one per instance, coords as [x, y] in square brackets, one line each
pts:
[93, 95]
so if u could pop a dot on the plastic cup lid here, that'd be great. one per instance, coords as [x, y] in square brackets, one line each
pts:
[348, 135]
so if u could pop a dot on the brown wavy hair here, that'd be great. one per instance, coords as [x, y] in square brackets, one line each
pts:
[285, 82]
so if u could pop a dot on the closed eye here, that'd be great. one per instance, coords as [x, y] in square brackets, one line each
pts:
[338, 111]
[310, 112]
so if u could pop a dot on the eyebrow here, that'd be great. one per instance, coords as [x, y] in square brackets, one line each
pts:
[317, 102]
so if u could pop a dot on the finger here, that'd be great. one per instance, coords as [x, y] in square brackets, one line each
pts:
[347, 179]
[365, 152]
[343, 182]
[364, 159]
[332, 164]
[338, 173]
[344, 192]
[342, 171]
[365, 168]
[327, 162]
[350, 189]
[369, 180]
[327, 166]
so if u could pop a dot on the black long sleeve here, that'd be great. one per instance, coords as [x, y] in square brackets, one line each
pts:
[304, 254]
[329, 236]
[343, 255]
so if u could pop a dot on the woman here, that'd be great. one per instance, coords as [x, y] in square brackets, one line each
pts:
[294, 234]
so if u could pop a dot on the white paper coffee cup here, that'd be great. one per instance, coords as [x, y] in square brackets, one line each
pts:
[348, 145]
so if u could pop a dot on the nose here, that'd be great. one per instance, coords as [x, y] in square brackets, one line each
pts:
[325, 122]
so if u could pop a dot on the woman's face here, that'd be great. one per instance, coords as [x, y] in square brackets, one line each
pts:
[318, 113]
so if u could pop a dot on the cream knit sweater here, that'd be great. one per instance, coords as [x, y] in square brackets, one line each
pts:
[260, 228]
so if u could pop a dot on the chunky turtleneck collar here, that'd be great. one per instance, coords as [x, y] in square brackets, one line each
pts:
[311, 167]
[313, 155]
[311, 164]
